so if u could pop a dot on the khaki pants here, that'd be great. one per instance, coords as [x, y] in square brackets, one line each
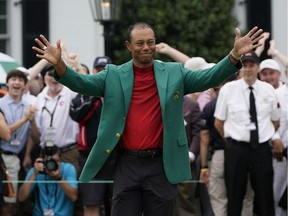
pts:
[71, 156]
[12, 164]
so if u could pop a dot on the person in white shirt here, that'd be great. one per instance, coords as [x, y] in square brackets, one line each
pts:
[280, 167]
[56, 124]
[240, 127]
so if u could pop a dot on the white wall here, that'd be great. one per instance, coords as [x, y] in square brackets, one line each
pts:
[15, 30]
[280, 28]
[72, 22]
[280, 24]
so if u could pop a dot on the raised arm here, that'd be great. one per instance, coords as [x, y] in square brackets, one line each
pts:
[275, 54]
[37, 68]
[173, 53]
[5, 132]
[259, 50]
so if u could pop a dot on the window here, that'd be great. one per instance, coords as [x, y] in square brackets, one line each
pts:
[3, 26]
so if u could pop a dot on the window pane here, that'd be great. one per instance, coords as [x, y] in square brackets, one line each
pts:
[3, 7]
[3, 45]
[3, 27]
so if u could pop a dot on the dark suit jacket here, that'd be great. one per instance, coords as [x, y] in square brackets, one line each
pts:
[192, 116]
[115, 84]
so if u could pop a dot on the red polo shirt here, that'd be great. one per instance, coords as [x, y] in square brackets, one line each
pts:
[144, 127]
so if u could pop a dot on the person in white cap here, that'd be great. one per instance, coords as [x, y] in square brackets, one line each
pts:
[270, 72]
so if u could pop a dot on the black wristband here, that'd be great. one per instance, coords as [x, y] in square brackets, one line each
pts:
[58, 179]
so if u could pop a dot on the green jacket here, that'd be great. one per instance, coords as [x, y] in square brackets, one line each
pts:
[115, 84]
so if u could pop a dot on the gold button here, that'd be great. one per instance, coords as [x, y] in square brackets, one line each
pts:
[108, 151]
[118, 135]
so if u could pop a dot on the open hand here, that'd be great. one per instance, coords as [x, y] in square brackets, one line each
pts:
[47, 51]
[51, 53]
[248, 42]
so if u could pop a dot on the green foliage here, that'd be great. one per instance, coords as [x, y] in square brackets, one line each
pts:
[195, 27]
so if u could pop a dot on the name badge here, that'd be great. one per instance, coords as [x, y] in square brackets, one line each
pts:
[15, 142]
[51, 131]
[50, 134]
[48, 212]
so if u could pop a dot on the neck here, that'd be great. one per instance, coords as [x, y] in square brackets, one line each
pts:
[139, 65]
[17, 98]
[53, 94]
[249, 81]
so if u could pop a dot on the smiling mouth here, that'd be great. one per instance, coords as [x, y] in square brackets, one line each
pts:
[16, 88]
[146, 54]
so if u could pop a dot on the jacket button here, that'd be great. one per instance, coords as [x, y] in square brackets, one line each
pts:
[108, 151]
[118, 135]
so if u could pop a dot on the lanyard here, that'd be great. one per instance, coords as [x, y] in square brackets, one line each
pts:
[51, 114]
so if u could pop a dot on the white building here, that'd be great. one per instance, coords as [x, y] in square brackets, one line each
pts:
[72, 22]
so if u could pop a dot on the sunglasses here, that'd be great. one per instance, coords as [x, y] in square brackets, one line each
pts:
[50, 73]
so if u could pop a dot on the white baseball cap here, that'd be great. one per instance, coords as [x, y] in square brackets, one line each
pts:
[269, 63]
[197, 63]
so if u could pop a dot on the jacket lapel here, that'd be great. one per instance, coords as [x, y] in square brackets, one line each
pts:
[161, 77]
[127, 78]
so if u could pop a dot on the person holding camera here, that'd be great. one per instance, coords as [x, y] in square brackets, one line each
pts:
[53, 184]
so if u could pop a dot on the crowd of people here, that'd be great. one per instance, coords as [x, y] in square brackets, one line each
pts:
[139, 130]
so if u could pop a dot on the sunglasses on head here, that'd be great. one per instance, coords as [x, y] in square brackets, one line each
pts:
[50, 73]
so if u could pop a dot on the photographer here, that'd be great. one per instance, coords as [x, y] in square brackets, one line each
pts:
[50, 198]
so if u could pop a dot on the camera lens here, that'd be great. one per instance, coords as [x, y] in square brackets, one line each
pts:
[51, 165]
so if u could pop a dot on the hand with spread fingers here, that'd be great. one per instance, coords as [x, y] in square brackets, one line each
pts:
[51, 53]
[248, 42]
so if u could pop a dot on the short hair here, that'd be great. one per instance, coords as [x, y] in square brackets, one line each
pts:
[17, 73]
[138, 25]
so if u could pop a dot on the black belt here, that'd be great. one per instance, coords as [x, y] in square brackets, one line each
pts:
[68, 148]
[8, 153]
[150, 153]
[244, 142]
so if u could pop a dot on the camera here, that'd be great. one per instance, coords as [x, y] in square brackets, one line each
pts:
[49, 150]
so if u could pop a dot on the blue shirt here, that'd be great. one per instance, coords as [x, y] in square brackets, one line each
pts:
[12, 112]
[50, 195]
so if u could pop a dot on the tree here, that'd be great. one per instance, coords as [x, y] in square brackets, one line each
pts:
[196, 27]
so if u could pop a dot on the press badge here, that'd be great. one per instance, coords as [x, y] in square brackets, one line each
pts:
[51, 131]
[251, 126]
[50, 134]
[48, 212]
[15, 142]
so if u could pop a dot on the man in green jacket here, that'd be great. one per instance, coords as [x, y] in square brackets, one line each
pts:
[142, 116]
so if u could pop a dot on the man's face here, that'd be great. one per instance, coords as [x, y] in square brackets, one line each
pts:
[16, 86]
[270, 76]
[98, 69]
[250, 70]
[142, 46]
[54, 86]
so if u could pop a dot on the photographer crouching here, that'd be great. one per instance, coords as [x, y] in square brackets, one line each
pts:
[53, 184]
